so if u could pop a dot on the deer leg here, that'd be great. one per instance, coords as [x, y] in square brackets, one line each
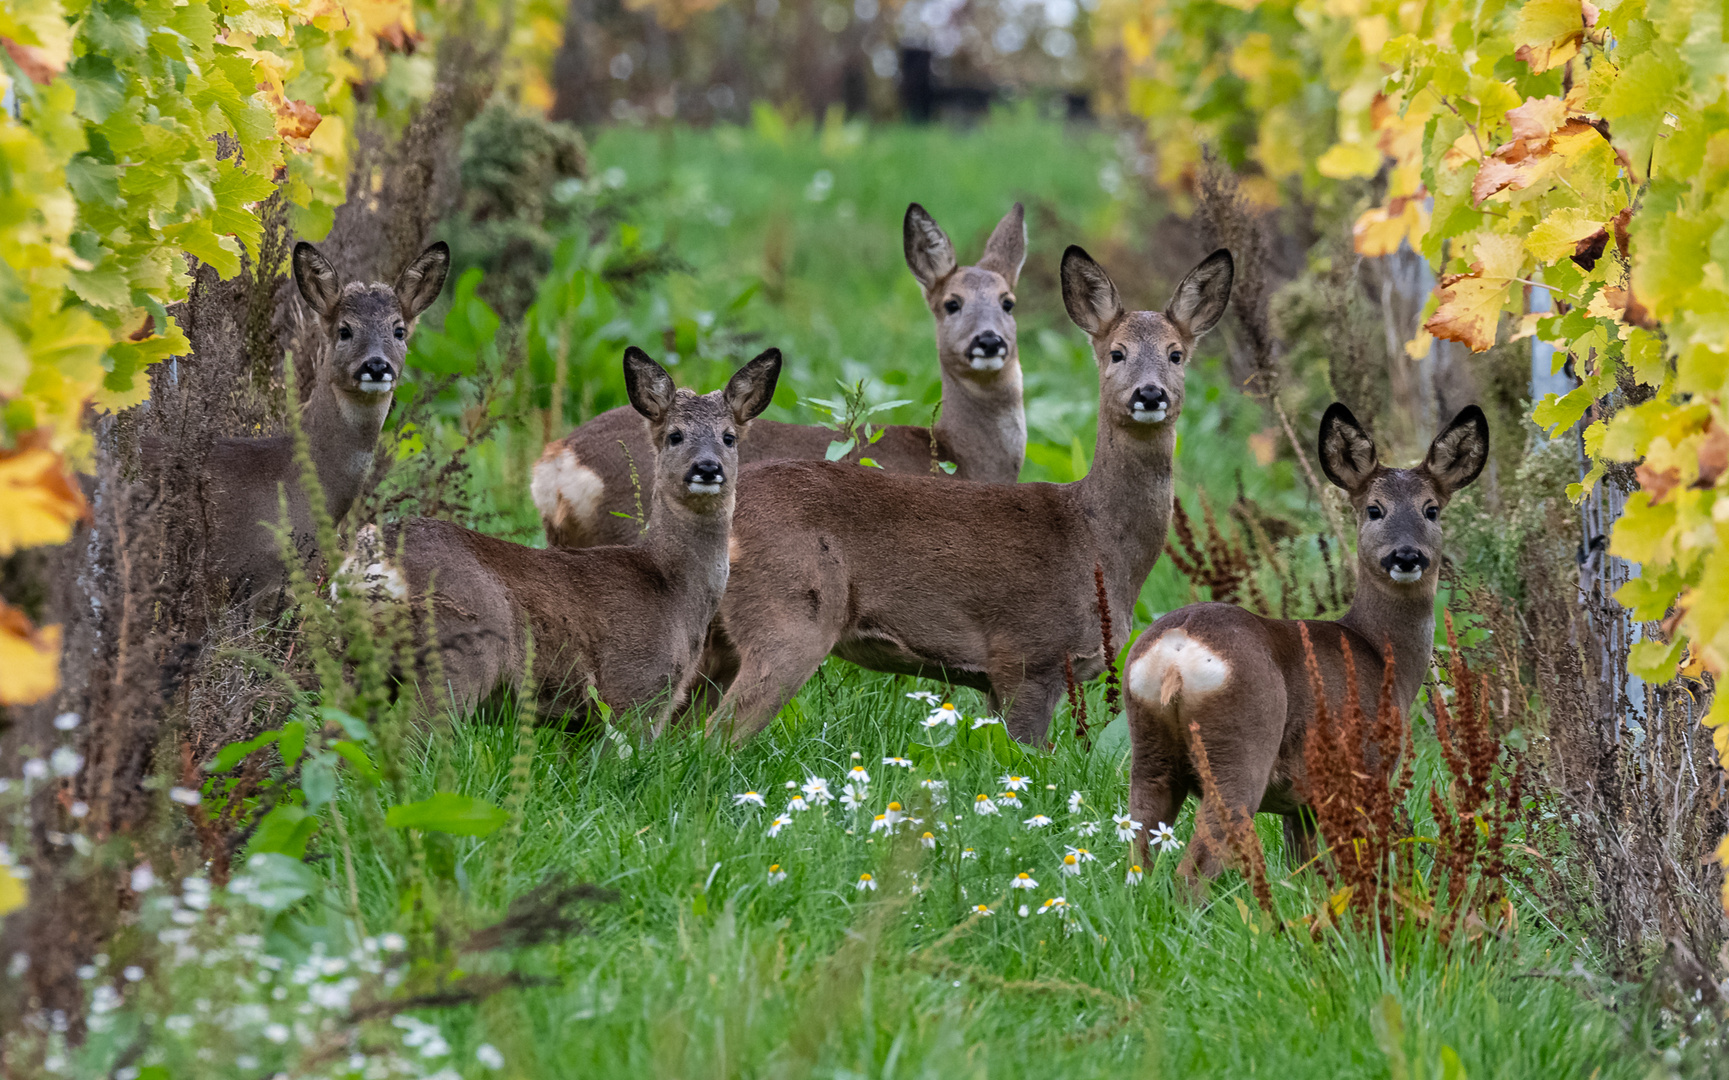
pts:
[1240, 756]
[1027, 699]
[770, 672]
[1300, 838]
[1158, 784]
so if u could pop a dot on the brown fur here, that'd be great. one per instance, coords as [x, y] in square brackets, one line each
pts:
[582, 482]
[342, 420]
[628, 621]
[986, 585]
[1242, 677]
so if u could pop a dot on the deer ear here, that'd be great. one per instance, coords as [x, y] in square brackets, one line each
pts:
[1088, 293]
[419, 285]
[1199, 302]
[316, 278]
[1347, 452]
[1459, 453]
[751, 389]
[1006, 250]
[648, 385]
[930, 256]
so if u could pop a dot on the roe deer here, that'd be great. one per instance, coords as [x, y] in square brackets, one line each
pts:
[1242, 678]
[367, 327]
[628, 621]
[993, 586]
[582, 482]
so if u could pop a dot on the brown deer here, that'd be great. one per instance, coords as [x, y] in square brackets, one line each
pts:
[993, 586]
[628, 621]
[582, 483]
[366, 327]
[1242, 678]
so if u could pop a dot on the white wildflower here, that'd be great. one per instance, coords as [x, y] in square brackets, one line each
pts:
[857, 775]
[185, 796]
[943, 714]
[898, 760]
[488, 1055]
[1055, 903]
[1023, 880]
[1076, 801]
[1126, 827]
[983, 805]
[1012, 782]
[1037, 821]
[1087, 828]
[986, 721]
[35, 769]
[1133, 877]
[969, 853]
[65, 761]
[816, 789]
[1165, 837]
[925, 696]
[748, 798]
[796, 805]
[929, 839]
[779, 823]
[980, 909]
[775, 874]
[66, 721]
[865, 881]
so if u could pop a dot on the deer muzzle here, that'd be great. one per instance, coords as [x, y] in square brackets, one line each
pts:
[1150, 405]
[1405, 565]
[988, 352]
[376, 376]
[706, 477]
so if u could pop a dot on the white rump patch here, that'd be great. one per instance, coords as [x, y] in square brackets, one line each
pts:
[1177, 663]
[368, 573]
[565, 489]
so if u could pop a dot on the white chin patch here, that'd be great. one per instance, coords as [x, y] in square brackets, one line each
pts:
[987, 363]
[1143, 416]
[702, 489]
[1405, 577]
[377, 386]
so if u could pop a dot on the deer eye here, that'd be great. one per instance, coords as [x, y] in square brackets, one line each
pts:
[951, 305]
[673, 438]
[1176, 356]
[729, 438]
[1117, 356]
[1008, 303]
[401, 333]
[344, 333]
[1375, 513]
[1432, 512]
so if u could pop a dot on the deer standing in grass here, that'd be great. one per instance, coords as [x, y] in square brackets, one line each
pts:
[582, 484]
[1242, 678]
[993, 586]
[366, 327]
[628, 621]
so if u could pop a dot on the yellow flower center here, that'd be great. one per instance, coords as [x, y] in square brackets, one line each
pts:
[1023, 875]
[895, 806]
[864, 877]
[773, 867]
[983, 798]
[949, 707]
[930, 836]
[1134, 869]
[1069, 860]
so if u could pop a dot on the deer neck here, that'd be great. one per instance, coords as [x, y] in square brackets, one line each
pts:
[690, 546]
[1126, 497]
[1383, 614]
[343, 433]
[983, 425]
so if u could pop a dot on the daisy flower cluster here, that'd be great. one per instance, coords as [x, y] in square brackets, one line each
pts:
[1018, 831]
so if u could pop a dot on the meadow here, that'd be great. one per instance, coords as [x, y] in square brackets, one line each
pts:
[491, 895]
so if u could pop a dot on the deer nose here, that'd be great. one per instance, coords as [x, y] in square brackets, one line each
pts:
[1405, 564]
[706, 476]
[989, 343]
[376, 374]
[1150, 404]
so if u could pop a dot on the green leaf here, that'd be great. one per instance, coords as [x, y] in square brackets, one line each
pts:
[318, 780]
[293, 742]
[286, 830]
[355, 727]
[355, 754]
[839, 449]
[462, 815]
[1655, 661]
[232, 754]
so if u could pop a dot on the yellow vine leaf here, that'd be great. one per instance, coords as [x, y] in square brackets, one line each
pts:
[1558, 235]
[29, 658]
[13, 892]
[1346, 160]
[41, 503]
[1381, 229]
[1548, 33]
[1470, 303]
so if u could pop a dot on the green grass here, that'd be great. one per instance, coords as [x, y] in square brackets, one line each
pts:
[702, 967]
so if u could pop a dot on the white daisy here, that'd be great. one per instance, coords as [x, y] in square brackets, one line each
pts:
[857, 775]
[1023, 880]
[895, 813]
[865, 881]
[1087, 828]
[897, 760]
[853, 796]
[1055, 903]
[1133, 877]
[881, 823]
[1023, 912]
[943, 714]
[929, 839]
[1126, 827]
[1165, 837]
[1010, 799]
[775, 874]
[980, 909]
[1071, 865]
[969, 853]
[1076, 801]
[986, 721]
[925, 696]
[1013, 782]
[816, 789]
[748, 798]
[983, 805]
[1082, 854]
[779, 823]
[1037, 821]
[796, 804]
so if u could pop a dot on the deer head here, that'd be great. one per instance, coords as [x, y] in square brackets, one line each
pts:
[367, 325]
[972, 304]
[695, 436]
[1399, 510]
[1142, 355]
